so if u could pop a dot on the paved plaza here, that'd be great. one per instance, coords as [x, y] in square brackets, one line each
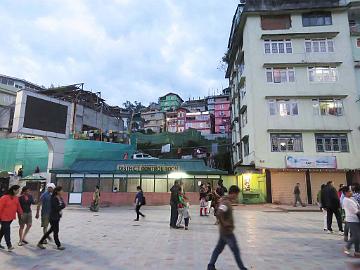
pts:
[269, 239]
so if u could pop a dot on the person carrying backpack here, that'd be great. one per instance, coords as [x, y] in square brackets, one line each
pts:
[139, 201]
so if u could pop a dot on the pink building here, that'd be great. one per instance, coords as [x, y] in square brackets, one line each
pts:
[222, 114]
[201, 121]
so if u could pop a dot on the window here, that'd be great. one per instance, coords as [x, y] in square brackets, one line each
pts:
[316, 19]
[278, 46]
[106, 185]
[120, 184]
[358, 42]
[147, 183]
[280, 75]
[275, 22]
[331, 143]
[328, 107]
[319, 45]
[246, 146]
[286, 142]
[90, 184]
[323, 74]
[284, 107]
[244, 119]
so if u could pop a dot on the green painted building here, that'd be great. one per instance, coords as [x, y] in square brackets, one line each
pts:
[170, 102]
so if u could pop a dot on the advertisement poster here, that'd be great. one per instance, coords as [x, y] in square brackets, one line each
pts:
[323, 162]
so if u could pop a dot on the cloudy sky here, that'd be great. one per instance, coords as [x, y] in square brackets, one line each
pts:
[128, 49]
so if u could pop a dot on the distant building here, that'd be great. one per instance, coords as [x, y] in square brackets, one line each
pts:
[154, 120]
[172, 122]
[201, 121]
[195, 105]
[170, 102]
[222, 114]
[181, 119]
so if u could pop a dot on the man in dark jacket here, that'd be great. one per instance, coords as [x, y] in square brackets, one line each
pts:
[330, 201]
[297, 197]
[174, 201]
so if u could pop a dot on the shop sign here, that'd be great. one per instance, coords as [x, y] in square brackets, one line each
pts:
[323, 162]
[147, 168]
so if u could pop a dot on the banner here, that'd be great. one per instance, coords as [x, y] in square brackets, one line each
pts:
[324, 162]
[147, 168]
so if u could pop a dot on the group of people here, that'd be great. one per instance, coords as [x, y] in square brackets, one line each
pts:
[51, 204]
[345, 205]
[180, 207]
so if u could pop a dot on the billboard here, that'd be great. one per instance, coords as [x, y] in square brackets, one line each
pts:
[39, 115]
[321, 162]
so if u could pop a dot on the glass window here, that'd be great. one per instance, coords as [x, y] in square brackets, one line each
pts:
[323, 74]
[283, 107]
[188, 185]
[246, 147]
[76, 185]
[286, 142]
[328, 107]
[90, 184]
[119, 184]
[308, 46]
[277, 46]
[316, 19]
[358, 42]
[267, 47]
[160, 184]
[147, 183]
[331, 143]
[64, 183]
[280, 75]
[319, 45]
[132, 183]
[106, 184]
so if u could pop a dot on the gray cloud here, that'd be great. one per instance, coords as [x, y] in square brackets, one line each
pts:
[128, 49]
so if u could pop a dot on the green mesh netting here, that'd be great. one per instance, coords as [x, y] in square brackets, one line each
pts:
[31, 153]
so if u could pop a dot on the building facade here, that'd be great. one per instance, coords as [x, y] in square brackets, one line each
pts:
[154, 120]
[293, 94]
[195, 105]
[201, 121]
[170, 102]
[222, 114]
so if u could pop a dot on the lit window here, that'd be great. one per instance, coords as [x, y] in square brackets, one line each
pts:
[286, 142]
[322, 74]
[280, 75]
[283, 107]
[328, 107]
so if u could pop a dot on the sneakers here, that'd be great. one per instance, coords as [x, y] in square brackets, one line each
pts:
[45, 242]
[20, 244]
[136, 220]
[41, 246]
[60, 248]
[2, 247]
[11, 248]
[346, 251]
[186, 228]
[330, 231]
[341, 233]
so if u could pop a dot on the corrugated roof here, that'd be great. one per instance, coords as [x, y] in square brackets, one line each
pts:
[111, 166]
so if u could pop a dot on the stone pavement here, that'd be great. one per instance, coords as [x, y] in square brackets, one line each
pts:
[269, 240]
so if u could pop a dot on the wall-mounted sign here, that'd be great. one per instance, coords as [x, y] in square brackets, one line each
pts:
[147, 168]
[323, 162]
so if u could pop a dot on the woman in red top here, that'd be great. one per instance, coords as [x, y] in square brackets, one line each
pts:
[9, 205]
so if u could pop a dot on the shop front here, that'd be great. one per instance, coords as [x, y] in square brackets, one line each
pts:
[118, 180]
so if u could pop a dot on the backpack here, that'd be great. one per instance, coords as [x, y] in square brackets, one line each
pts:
[143, 201]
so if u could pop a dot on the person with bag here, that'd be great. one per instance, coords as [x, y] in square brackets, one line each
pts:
[57, 205]
[9, 206]
[352, 218]
[139, 201]
[96, 200]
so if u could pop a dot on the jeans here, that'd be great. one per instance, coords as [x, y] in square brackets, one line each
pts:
[5, 231]
[138, 213]
[224, 240]
[186, 222]
[355, 236]
[337, 213]
[174, 215]
[54, 228]
[298, 199]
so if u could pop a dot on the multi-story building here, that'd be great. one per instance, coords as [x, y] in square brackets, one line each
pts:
[354, 23]
[195, 105]
[181, 119]
[293, 92]
[170, 102]
[154, 120]
[222, 114]
[8, 88]
[172, 121]
[201, 121]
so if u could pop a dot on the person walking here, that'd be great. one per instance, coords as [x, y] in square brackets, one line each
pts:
[139, 201]
[25, 200]
[352, 209]
[57, 205]
[9, 206]
[174, 201]
[218, 194]
[226, 226]
[318, 199]
[96, 200]
[45, 205]
[330, 201]
[297, 197]
[209, 196]
[203, 202]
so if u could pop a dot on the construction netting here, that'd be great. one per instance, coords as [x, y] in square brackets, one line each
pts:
[30, 153]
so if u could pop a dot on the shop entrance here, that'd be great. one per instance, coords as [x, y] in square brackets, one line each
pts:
[253, 188]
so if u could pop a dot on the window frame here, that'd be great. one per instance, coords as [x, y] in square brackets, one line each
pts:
[277, 102]
[287, 69]
[331, 137]
[286, 136]
[336, 101]
[330, 68]
[276, 42]
[316, 15]
[319, 40]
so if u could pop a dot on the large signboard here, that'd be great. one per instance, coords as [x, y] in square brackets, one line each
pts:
[321, 162]
[40, 115]
[147, 168]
